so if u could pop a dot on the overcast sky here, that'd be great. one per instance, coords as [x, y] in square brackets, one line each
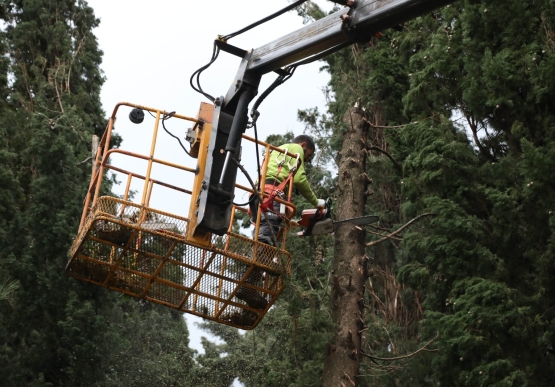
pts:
[152, 48]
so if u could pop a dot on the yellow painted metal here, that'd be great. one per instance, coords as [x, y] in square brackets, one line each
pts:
[142, 251]
[151, 156]
[204, 131]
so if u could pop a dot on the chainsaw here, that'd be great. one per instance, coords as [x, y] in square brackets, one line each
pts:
[318, 221]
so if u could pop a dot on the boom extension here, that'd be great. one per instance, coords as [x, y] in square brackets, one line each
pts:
[361, 20]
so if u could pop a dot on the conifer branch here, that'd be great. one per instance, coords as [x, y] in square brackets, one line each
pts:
[424, 348]
[383, 151]
[374, 243]
[309, 284]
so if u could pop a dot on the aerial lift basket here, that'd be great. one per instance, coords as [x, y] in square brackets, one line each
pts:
[128, 246]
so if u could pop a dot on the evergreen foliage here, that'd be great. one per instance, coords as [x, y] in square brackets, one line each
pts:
[483, 264]
[58, 331]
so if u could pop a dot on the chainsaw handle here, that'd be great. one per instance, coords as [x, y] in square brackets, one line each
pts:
[320, 213]
[313, 220]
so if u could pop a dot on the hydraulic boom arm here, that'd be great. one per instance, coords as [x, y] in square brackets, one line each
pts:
[357, 22]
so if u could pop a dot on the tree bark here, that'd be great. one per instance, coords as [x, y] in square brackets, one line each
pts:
[350, 261]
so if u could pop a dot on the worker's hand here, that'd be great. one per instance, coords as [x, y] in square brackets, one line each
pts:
[321, 203]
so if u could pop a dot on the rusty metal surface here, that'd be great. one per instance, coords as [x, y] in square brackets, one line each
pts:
[144, 253]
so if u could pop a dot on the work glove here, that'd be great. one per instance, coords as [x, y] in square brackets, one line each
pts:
[321, 203]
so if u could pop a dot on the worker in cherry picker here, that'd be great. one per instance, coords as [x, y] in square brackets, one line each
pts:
[270, 219]
[304, 146]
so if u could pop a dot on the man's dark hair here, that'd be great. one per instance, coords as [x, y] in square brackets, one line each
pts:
[304, 138]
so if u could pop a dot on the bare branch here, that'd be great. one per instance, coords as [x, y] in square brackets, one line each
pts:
[474, 129]
[398, 126]
[79, 46]
[84, 161]
[424, 348]
[387, 154]
[309, 284]
[387, 127]
[382, 235]
[399, 230]
[350, 380]
[59, 64]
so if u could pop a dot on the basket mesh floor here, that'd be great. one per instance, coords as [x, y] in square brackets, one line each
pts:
[143, 252]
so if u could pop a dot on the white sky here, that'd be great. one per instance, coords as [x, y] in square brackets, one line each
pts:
[151, 51]
[152, 48]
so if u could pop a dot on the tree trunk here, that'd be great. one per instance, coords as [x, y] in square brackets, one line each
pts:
[350, 261]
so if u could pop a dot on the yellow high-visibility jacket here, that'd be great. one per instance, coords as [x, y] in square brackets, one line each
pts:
[300, 181]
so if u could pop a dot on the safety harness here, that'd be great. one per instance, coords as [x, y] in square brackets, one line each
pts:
[268, 203]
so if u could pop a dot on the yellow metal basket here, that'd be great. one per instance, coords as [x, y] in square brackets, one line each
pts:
[152, 254]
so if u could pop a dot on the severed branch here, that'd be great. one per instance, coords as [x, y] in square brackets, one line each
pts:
[424, 348]
[374, 243]
[381, 235]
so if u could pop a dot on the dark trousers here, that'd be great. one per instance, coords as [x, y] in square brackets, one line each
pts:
[270, 222]
[268, 231]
